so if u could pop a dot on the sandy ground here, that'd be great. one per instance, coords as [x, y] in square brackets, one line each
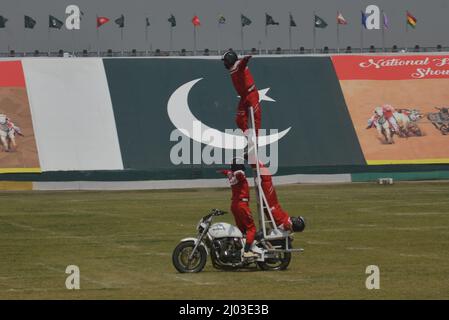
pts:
[362, 96]
[14, 103]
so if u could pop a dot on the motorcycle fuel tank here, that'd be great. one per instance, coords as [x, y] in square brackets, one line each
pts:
[224, 230]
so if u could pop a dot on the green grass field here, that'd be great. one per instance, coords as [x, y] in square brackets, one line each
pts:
[122, 243]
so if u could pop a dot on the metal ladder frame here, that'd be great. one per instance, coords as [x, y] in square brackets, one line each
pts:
[262, 202]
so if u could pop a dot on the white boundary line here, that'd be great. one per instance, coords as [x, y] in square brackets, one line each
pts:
[182, 184]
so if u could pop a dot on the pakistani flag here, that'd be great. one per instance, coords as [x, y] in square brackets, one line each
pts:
[320, 23]
[29, 22]
[172, 21]
[3, 21]
[245, 20]
[221, 19]
[54, 22]
[292, 21]
[120, 21]
[269, 20]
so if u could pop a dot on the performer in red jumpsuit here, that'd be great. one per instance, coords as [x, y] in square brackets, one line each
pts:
[243, 82]
[240, 205]
[281, 217]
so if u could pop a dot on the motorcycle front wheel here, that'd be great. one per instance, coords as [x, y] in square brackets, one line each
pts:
[180, 257]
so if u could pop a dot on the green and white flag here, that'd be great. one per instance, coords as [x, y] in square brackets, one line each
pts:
[320, 23]
[54, 22]
[29, 22]
[245, 20]
[3, 21]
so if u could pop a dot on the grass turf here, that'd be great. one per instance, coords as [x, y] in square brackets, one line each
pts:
[122, 243]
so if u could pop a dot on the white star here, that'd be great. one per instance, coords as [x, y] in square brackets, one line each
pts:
[263, 95]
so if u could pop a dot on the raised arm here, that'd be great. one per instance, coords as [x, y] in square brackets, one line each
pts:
[244, 61]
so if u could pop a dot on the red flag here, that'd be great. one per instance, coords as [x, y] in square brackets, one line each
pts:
[101, 21]
[341, 19]
[196, 21]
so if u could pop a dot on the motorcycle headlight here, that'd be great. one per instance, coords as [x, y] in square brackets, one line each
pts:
[200, 226]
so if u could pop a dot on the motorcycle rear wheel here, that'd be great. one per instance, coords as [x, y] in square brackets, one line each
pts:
[280, 263]
[180, 258]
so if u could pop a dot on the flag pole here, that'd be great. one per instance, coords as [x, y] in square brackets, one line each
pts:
[48, 41]
[266, 38]
[73, 42]
[121, 39]
[290, 37]
[383, 31]
[338, 35]
[219, 38]
[241, 37]
[194, 40]
[314, 33]
[406, 31]
[146, 38]
[361, 36]
[171, 38]
[98, 37]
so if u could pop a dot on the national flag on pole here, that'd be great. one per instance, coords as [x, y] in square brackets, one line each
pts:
[270, 21]
[292, 21]
[172, 20]
[3, 21]
[196, 21]
[147, 22]
[363, 19]
[320, 23]
[101, 21]
[221, 19]
[341, 19]
[120, 21]
[29, 22]
[411, 20]
[54, 22]
[245, 20]
[385, 20]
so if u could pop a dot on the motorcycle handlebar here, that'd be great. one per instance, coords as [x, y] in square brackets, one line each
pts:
[217, 212]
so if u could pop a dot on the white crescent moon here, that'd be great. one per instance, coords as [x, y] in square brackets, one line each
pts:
[183, 119]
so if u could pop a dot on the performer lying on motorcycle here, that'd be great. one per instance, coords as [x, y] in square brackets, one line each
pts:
[240, 205]
[281, 218]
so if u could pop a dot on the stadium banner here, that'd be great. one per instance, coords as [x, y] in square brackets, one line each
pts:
[398, 106]
[122, 119]
[18, 151]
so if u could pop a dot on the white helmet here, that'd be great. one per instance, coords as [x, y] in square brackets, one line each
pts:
[379, 111]
[3, 119]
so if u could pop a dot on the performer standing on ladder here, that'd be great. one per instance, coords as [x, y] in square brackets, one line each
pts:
[243, 82]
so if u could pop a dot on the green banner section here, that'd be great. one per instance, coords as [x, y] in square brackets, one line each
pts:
[307, 95]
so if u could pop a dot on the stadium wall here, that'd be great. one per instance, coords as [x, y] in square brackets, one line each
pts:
[97, 123]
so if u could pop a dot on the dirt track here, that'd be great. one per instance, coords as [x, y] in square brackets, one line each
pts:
[14, 103]
[362, 96]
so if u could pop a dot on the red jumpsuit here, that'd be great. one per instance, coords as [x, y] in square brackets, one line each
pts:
[240, 203]
[243, 82]
[281, 217]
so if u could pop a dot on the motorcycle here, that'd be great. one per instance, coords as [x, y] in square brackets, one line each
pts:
[225, 244]
[440, 120]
